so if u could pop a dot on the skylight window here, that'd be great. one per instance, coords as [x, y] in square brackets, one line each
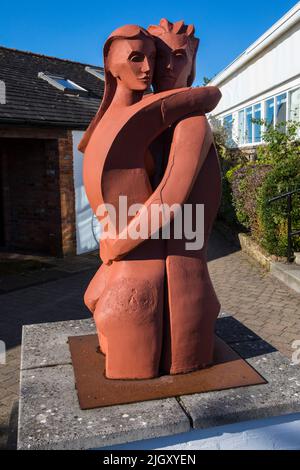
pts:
[96, 71]
[62, 83]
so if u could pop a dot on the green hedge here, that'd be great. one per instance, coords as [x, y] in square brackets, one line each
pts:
[284, 177]
[245, 183]
[247, 188]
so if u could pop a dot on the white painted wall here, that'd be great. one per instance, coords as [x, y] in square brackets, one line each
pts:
[85, 241]
[275, 66]
[269, 67]
[278, 433]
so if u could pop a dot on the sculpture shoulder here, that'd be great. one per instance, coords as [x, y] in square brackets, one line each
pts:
[198, 120]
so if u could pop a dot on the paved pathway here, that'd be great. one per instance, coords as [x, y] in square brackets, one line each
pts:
[245, 290]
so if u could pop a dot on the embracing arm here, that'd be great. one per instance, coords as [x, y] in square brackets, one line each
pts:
[184, 164]
[200, 100]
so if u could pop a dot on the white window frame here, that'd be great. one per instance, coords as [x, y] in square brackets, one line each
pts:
[260, 103]
[232, 121]
[263, 114]
[96, 71]
[286, 108]
[52, 79]
[289, 98]
[243, 130]
[248, 144]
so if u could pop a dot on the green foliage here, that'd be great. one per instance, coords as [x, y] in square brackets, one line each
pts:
[247, 187]
[284, 177]
[206, 81]
[226, 210]
[245, 181]
[230, 174]
[279, 145]
[228, 158]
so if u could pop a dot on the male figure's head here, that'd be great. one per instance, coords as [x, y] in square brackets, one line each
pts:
[175, 57]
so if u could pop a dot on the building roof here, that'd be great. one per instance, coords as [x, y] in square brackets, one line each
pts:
[32, 100]
[278, 29]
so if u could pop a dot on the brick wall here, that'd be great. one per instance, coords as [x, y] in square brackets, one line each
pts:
[38, 192]
[67, 194]
[31, 195]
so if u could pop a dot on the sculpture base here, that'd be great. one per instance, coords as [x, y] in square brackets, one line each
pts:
[94, 390]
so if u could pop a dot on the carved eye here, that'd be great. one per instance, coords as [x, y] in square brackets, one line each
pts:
[179, 54]
[136, 57]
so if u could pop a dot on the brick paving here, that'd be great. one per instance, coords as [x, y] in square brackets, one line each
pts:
[245, 290]
[254, 296]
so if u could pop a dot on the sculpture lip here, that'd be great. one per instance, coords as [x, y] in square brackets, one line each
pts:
[145, 79]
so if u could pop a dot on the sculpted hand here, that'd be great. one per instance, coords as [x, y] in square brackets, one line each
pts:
[109, 250]
[106, 251]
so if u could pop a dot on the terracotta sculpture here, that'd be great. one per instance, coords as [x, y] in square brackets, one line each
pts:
[126, 295]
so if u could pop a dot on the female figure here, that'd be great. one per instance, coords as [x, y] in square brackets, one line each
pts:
[126, 297]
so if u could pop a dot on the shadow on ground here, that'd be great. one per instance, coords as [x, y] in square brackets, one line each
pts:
[219, 248]
[243, 340]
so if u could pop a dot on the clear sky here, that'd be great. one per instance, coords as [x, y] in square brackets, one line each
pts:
[76, 30]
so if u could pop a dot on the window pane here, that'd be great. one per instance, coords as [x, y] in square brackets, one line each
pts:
[241, 127]
[281, 110]
[257, 127]
[269, 111]
[67, 84]
[249, 125]
[295, 105]
[228, 122]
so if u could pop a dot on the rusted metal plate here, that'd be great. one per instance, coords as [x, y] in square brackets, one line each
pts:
[95, 390]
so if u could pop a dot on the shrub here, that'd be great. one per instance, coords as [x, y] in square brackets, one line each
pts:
[272, 218]
[229, 158]
[247, 187]
[245, 182]
[226, 210]
[279, 146]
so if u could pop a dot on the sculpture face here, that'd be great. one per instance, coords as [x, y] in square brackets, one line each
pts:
[174, 61]
[131, 62]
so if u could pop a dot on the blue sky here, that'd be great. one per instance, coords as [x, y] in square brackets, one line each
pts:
[77, 30]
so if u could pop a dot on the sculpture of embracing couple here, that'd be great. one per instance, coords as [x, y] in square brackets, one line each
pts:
[153, 301]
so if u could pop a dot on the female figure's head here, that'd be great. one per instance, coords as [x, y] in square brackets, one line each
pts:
[129, 56]
[176, 48]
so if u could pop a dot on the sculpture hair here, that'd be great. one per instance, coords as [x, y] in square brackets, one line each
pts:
[124, 32]
[179, 27]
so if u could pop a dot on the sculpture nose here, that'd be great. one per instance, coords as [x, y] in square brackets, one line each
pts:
[146, 65]
[170, 64]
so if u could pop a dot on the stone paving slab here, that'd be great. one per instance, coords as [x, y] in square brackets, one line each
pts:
[287, 273]
[46, 344]
[280, 396]
[50, 416]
